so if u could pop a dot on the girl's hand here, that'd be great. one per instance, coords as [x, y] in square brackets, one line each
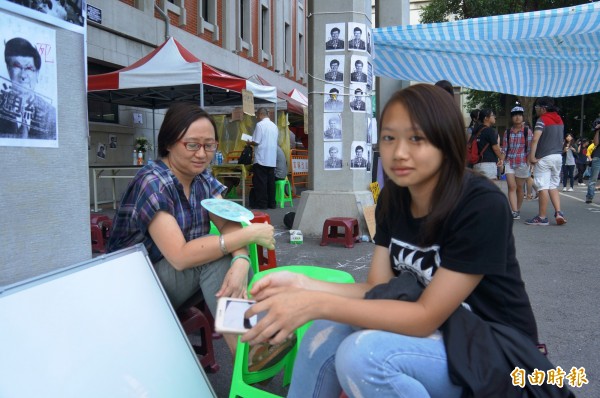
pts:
[274, 280]
[235, 283]
[262, 234]
[287, 309]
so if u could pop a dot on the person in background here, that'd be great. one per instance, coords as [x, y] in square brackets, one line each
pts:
[595, 157]
[161, 209]
[281, 166]
[545, 155]
[264, 139]
[473, 124]
[492, 157]
[406, 331]
[515, 145]
[581, 161]
[446, 85]
[569, 157]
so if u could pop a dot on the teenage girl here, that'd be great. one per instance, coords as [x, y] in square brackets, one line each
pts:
[449, 227]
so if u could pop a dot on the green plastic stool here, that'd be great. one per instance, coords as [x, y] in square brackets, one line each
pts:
[242, 379]
[280, 196]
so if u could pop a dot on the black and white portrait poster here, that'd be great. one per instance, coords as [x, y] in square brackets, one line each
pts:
[334, 98]
[333, 155]
[357, 94]
[28, 93]
[334, 68]
[112, 141]
[358, 68]
[335, 34]
[67, 14]
[101, 152]
[358, 155]
[356, 36]
[332, 129]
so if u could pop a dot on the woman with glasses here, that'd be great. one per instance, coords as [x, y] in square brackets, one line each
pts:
[161, 209]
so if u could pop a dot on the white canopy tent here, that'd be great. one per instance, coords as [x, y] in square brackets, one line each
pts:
[545, 53]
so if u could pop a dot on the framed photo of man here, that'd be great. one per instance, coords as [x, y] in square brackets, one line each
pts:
[358, 92]
[333, 155]
[356, 36]
[359, 155]
[332, 130]
[112, 141]
[335, 34]
[28, 97]
[334, 68]
[334, 98]
[358, 65]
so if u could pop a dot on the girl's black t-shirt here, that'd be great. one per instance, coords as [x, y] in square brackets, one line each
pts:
[488, 136]
[477, 238]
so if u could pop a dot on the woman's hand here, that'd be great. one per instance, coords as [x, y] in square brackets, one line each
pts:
[287, 309]
[262, 234]
[235, 283]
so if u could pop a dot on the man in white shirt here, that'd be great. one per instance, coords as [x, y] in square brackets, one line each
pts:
[265, 158]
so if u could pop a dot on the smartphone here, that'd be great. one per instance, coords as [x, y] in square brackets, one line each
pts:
[230, 315]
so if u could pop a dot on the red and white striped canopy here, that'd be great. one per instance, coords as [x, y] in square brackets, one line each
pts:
[172, 65]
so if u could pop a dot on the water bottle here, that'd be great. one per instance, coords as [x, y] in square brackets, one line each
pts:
[219, 157]
[134, 157]
[140, 158]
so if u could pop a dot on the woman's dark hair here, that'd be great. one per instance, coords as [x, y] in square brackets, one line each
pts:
[177, 121]
[434, 112]
[546, 102]
[446, 85]
[483, 113]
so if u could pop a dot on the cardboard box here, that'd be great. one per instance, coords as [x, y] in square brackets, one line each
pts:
[296, 237]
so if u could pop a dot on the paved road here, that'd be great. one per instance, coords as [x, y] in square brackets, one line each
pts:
[558, 264]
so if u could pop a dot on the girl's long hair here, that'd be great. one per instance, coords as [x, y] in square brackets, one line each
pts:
[438, 116]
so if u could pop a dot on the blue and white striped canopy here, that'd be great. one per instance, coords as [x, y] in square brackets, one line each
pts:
[553, 52]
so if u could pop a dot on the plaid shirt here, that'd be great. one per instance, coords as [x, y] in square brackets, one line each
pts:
[155, 188]
[516, 152]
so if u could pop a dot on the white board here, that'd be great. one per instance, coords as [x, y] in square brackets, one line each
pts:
[103, 328]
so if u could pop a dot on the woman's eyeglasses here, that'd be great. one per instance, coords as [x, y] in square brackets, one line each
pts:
[194, 146]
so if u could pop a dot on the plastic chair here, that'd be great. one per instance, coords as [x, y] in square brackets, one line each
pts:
[242, 379]
[101, 227]
[331, 235]
[196, 322]
[268, 260]
[281, 198]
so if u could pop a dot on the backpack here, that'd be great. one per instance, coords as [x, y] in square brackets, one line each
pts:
[246, 155]
[473, 154]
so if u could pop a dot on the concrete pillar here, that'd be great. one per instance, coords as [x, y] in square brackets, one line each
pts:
[390, 13]
[341, 192]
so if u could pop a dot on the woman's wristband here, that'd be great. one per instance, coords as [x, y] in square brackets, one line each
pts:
[245, 257]
[222, 245]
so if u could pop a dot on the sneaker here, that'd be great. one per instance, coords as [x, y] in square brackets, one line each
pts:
[564, 189]
[570, 189]
[581, 184]
[588, 201]
[560, 218]
[516, 215]
[264, 355]
[537, 220]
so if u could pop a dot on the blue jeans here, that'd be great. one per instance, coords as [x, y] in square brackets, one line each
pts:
[369, 363]
[593, 178]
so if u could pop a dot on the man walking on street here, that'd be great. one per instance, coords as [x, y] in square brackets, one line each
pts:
[263, 177]
[545, 155]
[595, 164]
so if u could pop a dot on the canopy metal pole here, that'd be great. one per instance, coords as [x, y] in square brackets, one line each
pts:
[153, 135]
[202, 95]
